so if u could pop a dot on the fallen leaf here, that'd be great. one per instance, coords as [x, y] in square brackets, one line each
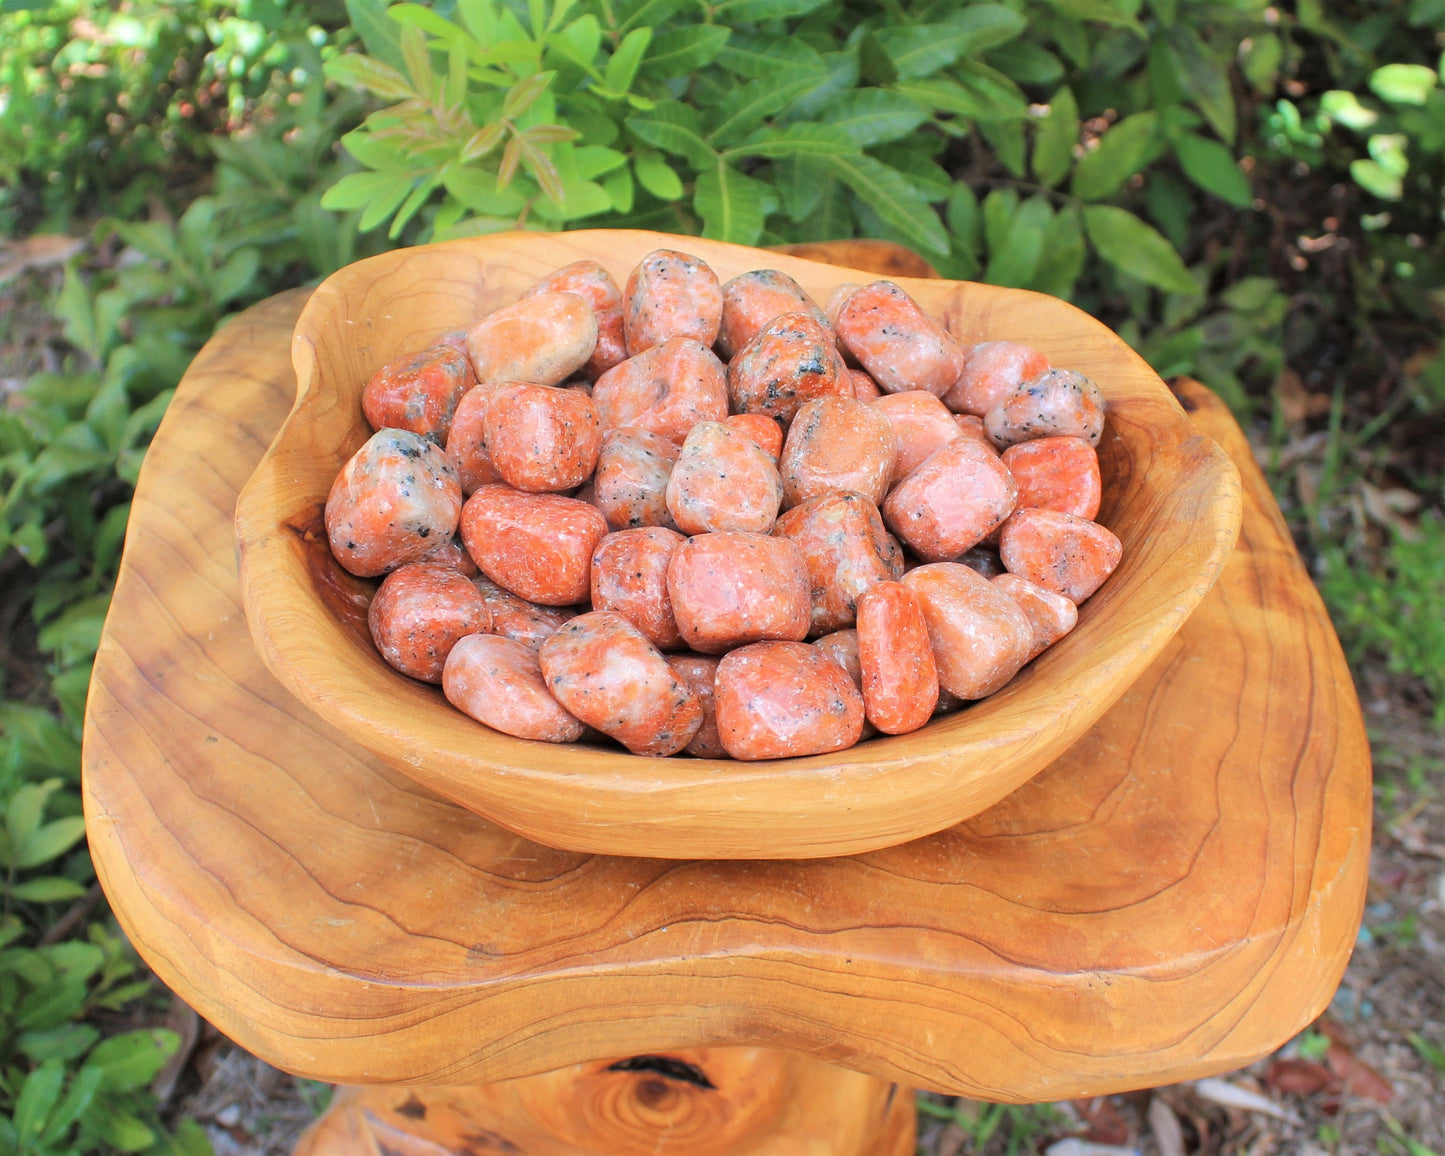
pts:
[1103, 1122]
[1298, 1077]
[1296, 403]
[1165, 1126]
[35, 253]
[1228, 1095]
[1356, 1078]
[1391, 509]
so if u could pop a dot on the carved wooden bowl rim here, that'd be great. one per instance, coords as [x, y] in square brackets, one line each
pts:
[1171, 495]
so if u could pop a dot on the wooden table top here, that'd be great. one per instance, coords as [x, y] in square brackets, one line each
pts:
[1176, 896]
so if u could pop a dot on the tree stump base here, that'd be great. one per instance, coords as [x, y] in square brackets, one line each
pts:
[695, 1102]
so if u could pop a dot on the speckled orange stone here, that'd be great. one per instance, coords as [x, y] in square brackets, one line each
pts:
[991, 372]
[921, 427]
[723, 480]
[837, 444]
[467, 440]
[980, 637]
[846, 550]
[1068, 555]
[954, 500]
[541, 438]
[498, 682]
[518, 619]
[731, 588]
[543, 339]
[698, 671]
[762, 429]
[778, 700]
[419, 613]
[1051, 615]
[671, 294]
[1057, 474]
[418, 393]
[630, 485]
[751, 300]
[666, 390]
[593, 284]
[790, 361]
[629, 575]
[895, 656]
[1059, 403]
[900, 345]
[538, 546]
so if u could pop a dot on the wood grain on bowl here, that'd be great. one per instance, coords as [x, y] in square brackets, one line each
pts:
[1170, 495]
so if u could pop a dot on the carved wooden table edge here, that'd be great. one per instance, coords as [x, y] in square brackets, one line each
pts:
[308, 1014]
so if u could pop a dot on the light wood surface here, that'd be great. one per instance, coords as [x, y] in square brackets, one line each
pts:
[1175, 896]
[750, 1102]
[1171, 496]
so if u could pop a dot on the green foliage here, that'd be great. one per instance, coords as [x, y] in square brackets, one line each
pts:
[1010, 1129]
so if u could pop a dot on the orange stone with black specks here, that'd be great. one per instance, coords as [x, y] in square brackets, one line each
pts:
[837, 445]
[606, 673]
[1057, 474]
[1068, 555]
[980, 636]
[842, 647]
[954, 500]
[991, 372]
[790, 361]
[593, 284]
[671, 294]
[864, 387]
[729, 588]
[498, 681]
[699, 672]
[1051, 615]
[751, 300]
[541, 438]
[778, 700]
[543, 339]
[467, 440]
[420, 612]
[762, 429]
[900, 679]
[538, 546]
[921, 427]
[394, 500]
[629, 575]
[846, 550]
[900, 345]
[518, 619]
[418, 393]
[1059, 403]
[630, 485]
[452, 554]
[723, 480]
[666, 390]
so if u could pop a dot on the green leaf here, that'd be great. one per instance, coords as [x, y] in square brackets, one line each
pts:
[359, 71]
[234, 278]
[48, 889]
[619, 189]
[1015, 262]
[932, 181]
[894, 200]
[964, 219]
[1120, 13]
[50, 841]
[379, 33]
[1121, 154]
[124, 1132]
[801, 182]
[1374, 178]
[26, 809]
[674, 127]
[1388, 150]
[1205, 77]
[1055, 139]
[656, 176]
[759, 56]
[920, 50]
[677, 52]
[1260, 62]
[622, 67]
[1403, 83]
[78, 1098]
[743, 109]
[1062, 259]
[1025, 62]
[795, 139]
[998, 211]
[648, 13]
[1007, 139]
[38, 1095]
[579, 41]
[1171, 205]
[131, 1060]
[477, 190]
[1210, 165]
[67, 1042]
[354, 190]
[1345, 107]
[976, 91]
[422, 18]
[386, 202]
[872, 115]
[525, 93]
[874, 63]
[1132, 247]
[730, 205]
[757, 11]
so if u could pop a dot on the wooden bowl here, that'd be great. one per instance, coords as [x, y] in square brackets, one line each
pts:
[1171, 495]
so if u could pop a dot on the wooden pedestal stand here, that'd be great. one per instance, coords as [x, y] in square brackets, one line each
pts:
[1174, 897]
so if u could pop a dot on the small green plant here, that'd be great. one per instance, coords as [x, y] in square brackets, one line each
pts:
[1012, 1128]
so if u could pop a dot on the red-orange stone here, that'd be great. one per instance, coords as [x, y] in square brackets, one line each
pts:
[630, 486]
[541, 438]
[846, 550]
[453, 555]
[837, 444]
[538, 546]
[952, 501]
[921, 427]
[671, 294]
[543, 339]
[723, 480]
[698, 671]
[762, 429]
[1068, 555]
[752, 300]
[899, 345]
[991, 372]
[842, 647]
[666, 390]
[593, 284]
[629, 575]
[498, 682]
[392, 503]
[979, 635]
[1059, 403]
[606, 673]
[900, 680]
[778, 700]
[418, 393]
[790, 361]
[1051, 615]
[418, 615]
[518, 619]
[1056, 474]
[467, 440]
[730, 588]
[864, 387]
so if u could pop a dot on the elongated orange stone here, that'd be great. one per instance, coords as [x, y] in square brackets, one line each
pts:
[900, 679]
